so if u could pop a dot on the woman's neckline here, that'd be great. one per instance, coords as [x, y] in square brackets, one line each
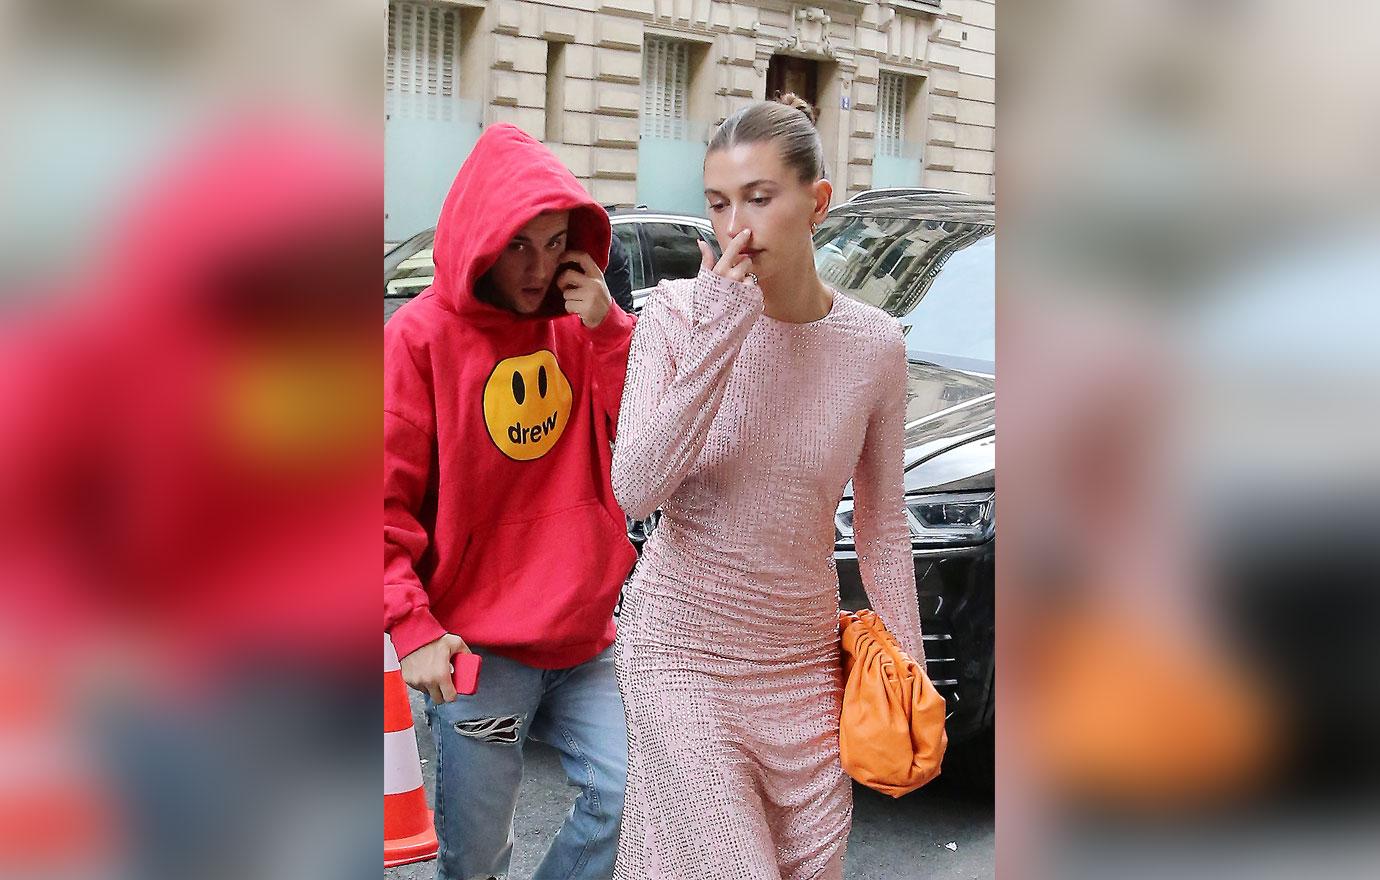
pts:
[833, 308]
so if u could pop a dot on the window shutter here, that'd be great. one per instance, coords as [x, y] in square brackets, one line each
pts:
[665, 88]
[423, 52]
[891, 133]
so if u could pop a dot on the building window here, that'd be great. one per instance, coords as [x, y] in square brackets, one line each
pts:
[555, 92]
[891, 115]
[423, 56]
[665, 89]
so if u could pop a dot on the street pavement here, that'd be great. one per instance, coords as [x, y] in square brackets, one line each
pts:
[937, 833]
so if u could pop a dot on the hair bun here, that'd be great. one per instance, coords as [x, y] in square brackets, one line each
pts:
[791, 99]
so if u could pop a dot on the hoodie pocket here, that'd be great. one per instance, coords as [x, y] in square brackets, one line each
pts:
[549, 581]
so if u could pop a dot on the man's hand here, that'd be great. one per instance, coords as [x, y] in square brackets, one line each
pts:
[584, 289]
[428, 668]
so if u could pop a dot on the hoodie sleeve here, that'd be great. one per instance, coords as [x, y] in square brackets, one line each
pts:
[611, 341]
[669, 401]
[409, 439]
[879, 513]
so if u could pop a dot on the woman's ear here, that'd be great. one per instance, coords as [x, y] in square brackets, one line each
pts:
[824, 192]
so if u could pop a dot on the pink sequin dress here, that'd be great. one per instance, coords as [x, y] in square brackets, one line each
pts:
[745, 431]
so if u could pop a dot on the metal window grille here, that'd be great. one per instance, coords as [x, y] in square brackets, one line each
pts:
[422, 76]
[891, 114]
[665, 89]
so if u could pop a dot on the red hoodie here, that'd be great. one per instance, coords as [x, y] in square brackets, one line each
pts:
[499, 522]
[188, 439]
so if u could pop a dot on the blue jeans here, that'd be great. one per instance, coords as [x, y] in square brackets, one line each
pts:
[479, 741]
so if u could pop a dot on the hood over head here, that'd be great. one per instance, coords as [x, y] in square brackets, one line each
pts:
[250, 190]
[508, 179]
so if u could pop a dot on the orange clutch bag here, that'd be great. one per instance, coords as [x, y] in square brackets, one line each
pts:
[891, 731]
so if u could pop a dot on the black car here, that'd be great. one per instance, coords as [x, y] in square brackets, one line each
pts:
[929, 258]
[661, 246]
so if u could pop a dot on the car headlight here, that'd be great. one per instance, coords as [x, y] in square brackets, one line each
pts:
[941, 519]
[952, 518]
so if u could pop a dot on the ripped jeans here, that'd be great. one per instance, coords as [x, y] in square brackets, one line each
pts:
[479, 741]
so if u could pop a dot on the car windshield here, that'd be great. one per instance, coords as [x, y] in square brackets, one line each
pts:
[938, 277]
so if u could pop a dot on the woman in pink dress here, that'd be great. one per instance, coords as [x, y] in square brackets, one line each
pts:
[754, 394]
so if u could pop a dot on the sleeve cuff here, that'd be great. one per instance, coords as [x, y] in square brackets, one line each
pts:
[712, 289]
[614, 330]
[416, 629]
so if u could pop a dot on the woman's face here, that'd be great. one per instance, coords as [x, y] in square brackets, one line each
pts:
[749, 186]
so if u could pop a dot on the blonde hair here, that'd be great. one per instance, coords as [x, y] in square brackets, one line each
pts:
[788, 121]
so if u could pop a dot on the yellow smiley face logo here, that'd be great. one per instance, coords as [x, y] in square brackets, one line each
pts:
[526, 405]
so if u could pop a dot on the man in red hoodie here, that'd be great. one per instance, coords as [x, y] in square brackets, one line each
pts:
[502, 383]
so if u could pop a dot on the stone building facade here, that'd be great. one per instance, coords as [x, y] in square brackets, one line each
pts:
[627, 92]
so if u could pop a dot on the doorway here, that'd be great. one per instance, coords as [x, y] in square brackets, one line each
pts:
[800, 76]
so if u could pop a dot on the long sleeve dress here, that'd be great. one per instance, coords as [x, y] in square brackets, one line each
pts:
[745, 430]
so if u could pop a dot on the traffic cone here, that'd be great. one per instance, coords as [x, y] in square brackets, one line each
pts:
[408, 832]
[57, 811]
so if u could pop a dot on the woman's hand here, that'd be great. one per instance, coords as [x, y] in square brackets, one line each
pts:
[733, 264]
[584, 289]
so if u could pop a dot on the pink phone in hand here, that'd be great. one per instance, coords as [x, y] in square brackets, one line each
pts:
[466, 672]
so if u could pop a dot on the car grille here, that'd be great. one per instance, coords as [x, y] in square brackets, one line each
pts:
[639, 530]
[941, 665]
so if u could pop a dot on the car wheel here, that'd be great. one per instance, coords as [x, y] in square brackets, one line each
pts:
[972, 763]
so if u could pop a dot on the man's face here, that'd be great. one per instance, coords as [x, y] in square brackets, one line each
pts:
[525, 268]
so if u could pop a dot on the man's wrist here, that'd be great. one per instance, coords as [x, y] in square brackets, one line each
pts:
[600, 320]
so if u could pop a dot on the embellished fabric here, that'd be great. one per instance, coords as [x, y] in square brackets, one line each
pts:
[744, 431]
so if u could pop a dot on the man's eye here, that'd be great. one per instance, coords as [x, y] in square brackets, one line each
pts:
[719, 207]
[760, 200]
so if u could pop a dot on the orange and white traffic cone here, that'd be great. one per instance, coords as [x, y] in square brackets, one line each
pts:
[408, 832]
[57, 810]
